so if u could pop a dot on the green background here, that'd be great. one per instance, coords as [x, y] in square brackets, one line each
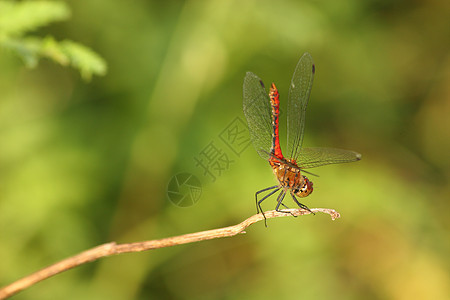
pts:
[87, 163]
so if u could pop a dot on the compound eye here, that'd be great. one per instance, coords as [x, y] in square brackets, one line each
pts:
[301, 191]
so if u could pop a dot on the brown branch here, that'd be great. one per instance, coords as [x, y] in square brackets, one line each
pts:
[113, 248]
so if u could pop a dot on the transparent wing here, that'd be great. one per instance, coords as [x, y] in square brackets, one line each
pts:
[258, 112]
[299, 92]
[316, 157]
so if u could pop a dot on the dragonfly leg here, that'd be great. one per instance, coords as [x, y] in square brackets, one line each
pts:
[280, 202]
[301, 205]
[285, 206]
[275, 188]
[258, 203]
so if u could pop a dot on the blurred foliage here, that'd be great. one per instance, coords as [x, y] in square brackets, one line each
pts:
[19, 18]
[82, 164]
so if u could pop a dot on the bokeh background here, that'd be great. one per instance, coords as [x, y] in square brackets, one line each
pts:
[84, 163]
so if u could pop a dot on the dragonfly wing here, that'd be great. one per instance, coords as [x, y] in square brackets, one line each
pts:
[316, 157]
[258, 112]
[299, 92]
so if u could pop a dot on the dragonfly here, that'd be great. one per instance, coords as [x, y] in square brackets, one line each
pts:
[262, 111]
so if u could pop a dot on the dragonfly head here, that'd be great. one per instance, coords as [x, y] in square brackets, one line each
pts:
[305, 189]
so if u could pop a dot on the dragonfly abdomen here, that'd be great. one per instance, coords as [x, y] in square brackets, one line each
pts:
[275, 103]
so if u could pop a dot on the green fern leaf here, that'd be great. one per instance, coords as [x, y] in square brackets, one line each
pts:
[16, 18]
[84, 59]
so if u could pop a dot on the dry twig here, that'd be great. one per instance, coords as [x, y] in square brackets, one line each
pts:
[113, 248]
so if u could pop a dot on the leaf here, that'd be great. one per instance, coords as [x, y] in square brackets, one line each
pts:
[84, 59]
[31, 49]
[27, 49]
[16, 18]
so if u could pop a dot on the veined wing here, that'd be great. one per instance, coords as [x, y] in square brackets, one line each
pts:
[258, 112]
[299, 92]
[316, 157]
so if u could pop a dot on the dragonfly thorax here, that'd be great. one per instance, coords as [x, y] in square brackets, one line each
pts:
[291, 178]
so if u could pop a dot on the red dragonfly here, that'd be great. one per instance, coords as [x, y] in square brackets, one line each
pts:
[262, 112]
